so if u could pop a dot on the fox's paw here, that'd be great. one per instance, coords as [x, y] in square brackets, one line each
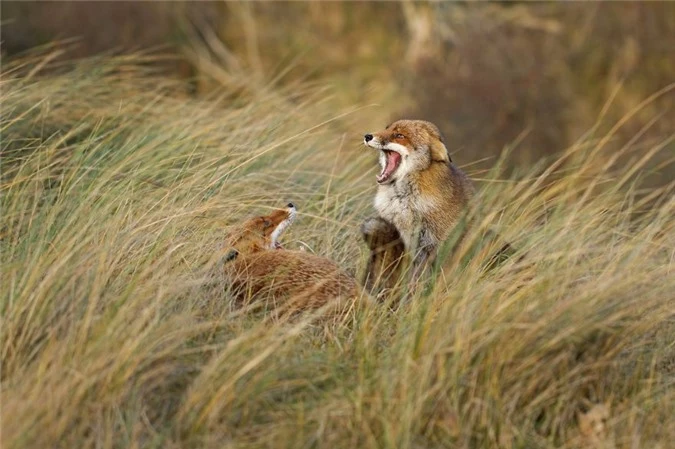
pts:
[377, 232]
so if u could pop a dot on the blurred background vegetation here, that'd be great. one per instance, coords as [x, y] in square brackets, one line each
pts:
[120, 177]
[535, 76]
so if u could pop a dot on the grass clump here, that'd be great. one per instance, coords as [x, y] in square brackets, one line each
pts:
[117, 191]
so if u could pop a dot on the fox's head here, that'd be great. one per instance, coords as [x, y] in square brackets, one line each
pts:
[259, 233]
[407, 146]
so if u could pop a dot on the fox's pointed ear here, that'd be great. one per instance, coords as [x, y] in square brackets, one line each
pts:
[231, 255]
[439, 153]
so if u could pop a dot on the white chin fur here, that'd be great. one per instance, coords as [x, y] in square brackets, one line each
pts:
[292, 212]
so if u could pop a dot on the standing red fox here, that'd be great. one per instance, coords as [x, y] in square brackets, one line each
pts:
[421, 197]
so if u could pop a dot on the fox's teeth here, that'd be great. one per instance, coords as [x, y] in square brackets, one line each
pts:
[381, 173]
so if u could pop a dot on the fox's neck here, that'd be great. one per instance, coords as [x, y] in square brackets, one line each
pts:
[436, 176]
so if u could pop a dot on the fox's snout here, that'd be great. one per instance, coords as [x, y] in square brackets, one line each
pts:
[377, 140]
[387, 140]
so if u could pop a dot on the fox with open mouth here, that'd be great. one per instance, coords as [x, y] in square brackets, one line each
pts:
[421, 197]
[257, 266]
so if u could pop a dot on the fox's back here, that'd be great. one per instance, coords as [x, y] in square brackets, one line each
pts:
[302, 276]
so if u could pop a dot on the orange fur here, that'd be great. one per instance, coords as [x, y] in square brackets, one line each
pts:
[386, 262]
[255, 234]
[290, 279]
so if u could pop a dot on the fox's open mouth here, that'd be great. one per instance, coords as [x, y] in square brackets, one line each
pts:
[392, 161]
[281, 227]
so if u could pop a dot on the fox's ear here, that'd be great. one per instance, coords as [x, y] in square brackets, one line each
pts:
[231, 255]
[439, 153]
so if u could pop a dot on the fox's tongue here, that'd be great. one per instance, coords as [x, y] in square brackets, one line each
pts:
[393, 159]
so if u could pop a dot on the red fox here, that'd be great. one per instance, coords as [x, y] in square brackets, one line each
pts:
[257, 266]
[421, 194]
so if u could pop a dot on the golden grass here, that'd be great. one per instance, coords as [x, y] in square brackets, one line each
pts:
[117, 191]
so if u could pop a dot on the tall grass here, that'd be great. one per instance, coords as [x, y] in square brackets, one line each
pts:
[117, 191]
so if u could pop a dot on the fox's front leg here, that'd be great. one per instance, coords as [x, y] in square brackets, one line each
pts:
[425, 255]
[387, 251]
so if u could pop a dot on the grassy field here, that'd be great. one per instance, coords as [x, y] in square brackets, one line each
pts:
[117, 190]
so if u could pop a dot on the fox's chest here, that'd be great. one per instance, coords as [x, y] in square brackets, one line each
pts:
[404, 209]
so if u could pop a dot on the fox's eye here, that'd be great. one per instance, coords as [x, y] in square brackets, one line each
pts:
[399, 136]
[267, 223]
